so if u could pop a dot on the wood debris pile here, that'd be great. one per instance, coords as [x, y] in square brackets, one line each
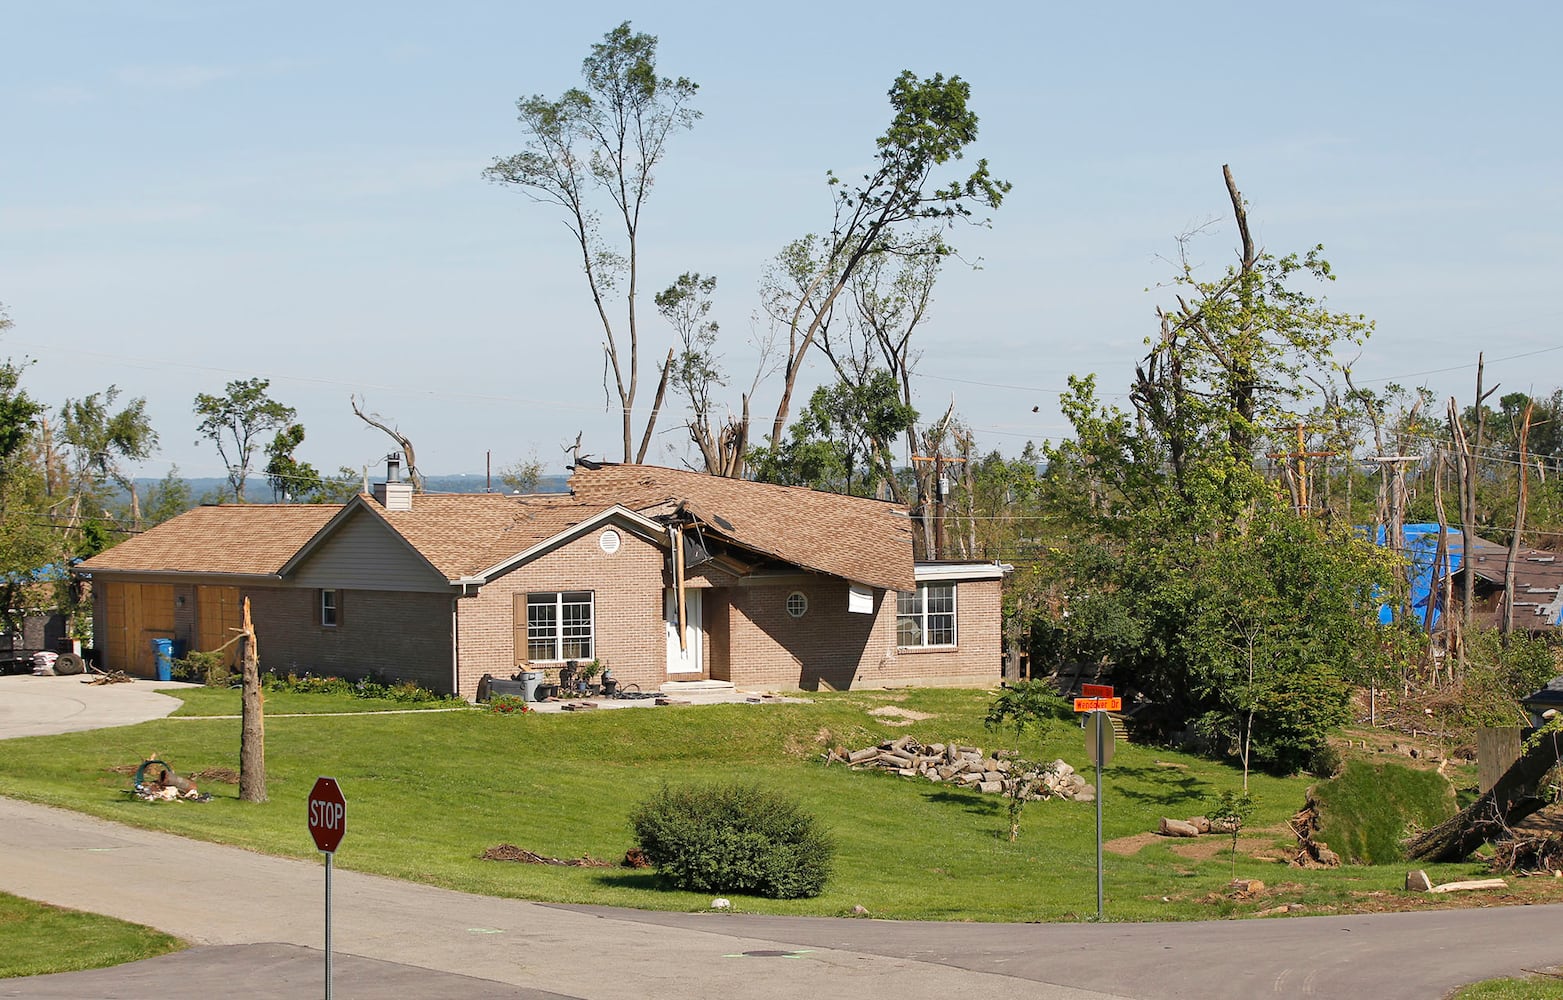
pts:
[967, 767]
[1529, 855]
[1311, 853]
[510, 852]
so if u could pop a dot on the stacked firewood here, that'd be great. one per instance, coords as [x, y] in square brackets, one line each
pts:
[968, 767]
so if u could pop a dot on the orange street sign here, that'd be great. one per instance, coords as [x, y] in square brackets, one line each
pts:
[1096, 690]
[1098, 704]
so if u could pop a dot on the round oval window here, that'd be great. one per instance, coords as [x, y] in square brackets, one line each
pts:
[797, 603]
[609, 541]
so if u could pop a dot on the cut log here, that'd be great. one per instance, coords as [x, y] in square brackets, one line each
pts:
[859, 756]
[1176, 828]
[1479, 883]
[1510, 799]
[1417, 881]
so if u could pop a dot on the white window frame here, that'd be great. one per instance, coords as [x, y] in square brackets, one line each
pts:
[912, 605]
[330, 609]
[563, 635]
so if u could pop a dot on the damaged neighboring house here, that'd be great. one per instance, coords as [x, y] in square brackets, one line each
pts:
[1538, 575]
[661, 574]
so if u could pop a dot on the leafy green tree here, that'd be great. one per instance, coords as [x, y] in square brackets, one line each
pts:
[1229, 812]
[898, 209]
[299, 481]
[523, 475]
[171, 497]
[236, 422]
[841, 440]
[98, 440]
[1185, 569]
[27, 540]
[605, 140]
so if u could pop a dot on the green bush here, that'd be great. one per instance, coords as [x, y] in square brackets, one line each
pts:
[733, 838]
[209, 668]
[406, 692]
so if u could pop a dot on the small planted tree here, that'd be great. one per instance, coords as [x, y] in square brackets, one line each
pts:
[1027, 708]
[733, 838]
[1230, 812]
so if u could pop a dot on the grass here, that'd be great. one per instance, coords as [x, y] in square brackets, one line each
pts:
[429, 792]
[1366, 811]
[1528, 988]
[37, 939]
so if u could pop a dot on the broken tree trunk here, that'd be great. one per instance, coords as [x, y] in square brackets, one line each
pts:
[1510, 800]
[252, 733]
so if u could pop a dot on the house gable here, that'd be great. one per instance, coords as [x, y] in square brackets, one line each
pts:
[358, 550]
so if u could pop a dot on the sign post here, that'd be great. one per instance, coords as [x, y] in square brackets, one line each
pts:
[327, 823]
[1099, 747]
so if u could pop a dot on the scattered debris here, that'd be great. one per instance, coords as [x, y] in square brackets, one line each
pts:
[111, 677]
[1529, 855]
[967, 767]
[166, 786]
[1245, 887]
[635, 858]
[721, 904]
[1283, 908]
[1417, 881]
[859, 910]
[1311, 853]
[510, 852]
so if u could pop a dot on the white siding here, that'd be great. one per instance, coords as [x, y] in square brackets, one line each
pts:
[365, 554]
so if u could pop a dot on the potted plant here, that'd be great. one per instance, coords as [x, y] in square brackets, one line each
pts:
[549, 688]
[588, 673]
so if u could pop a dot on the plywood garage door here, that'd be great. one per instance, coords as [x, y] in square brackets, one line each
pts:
[217, 620]
[137, 614]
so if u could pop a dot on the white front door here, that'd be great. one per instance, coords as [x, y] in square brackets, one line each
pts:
[683, 660]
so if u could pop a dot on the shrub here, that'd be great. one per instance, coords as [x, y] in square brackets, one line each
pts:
[209, 668]
[508, 704]
[733, 838]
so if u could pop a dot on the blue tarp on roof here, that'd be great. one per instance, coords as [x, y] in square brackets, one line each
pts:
[1421, 550]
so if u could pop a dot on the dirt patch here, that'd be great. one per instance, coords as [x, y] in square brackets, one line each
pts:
[1203, 848]
[1127, 846]
[892, 715]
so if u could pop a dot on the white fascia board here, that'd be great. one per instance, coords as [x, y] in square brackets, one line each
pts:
[616, 512]
[930, 571]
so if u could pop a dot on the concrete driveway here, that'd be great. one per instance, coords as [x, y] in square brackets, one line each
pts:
[45, 706]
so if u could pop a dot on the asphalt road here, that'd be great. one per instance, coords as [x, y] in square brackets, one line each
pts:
[258, 923]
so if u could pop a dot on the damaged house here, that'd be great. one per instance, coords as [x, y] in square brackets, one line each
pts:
[661, 574]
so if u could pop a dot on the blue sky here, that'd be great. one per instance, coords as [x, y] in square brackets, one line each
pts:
[196, 192]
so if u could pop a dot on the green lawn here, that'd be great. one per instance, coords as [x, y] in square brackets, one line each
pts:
[37, 939]
[1529, 988]
[428, 792]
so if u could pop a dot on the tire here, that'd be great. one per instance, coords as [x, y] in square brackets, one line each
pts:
[69, 663]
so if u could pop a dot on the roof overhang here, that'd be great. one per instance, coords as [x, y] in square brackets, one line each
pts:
[928, 572]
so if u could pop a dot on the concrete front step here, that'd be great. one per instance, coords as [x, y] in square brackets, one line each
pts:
[697, 687]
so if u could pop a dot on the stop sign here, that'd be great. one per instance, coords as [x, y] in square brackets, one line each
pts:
[327, 814]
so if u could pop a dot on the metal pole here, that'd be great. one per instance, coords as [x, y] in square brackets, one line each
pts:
[1098, 830]
[329, 914]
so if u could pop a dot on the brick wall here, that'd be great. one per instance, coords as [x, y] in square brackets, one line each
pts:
[628, 630]
[393, 635]
[771, 649]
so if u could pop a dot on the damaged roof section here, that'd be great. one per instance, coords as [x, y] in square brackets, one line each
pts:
[864, 541]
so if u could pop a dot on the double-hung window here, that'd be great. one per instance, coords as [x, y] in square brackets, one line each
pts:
[559, 626]
[328, 608]
[925, 616]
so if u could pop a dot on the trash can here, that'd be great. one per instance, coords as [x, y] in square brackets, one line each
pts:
[164, 652]
[530, 679]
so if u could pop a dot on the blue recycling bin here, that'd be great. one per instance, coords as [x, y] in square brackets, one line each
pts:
[164, 652]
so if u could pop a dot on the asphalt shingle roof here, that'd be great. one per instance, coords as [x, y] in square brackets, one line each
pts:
[866, 541]
[240, 539]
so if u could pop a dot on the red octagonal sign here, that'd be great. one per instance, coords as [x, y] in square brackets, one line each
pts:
[327, 814]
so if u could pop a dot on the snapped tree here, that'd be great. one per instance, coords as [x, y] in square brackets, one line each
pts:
[604, 140]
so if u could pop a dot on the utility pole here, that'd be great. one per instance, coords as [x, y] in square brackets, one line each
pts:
[942, 489]
[1301, 456]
